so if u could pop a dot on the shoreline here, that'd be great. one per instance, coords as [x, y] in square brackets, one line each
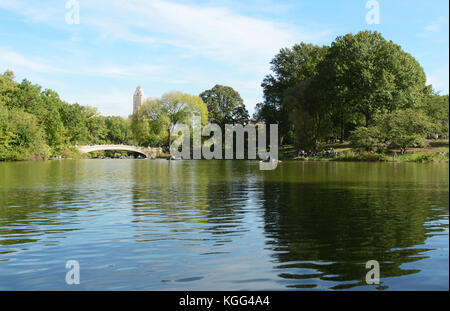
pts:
[338, 159]
[344, 153]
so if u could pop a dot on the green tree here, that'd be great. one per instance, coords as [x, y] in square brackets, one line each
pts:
[150, 124]
[436, 107]
[310, 117]
[290, 67]
[366, 74]
[20, 136]
[55, 132]
[181, 107]
[399, 129]
[118, 130]
[225, 106]
[368, 138]
[97, 128]
[74, 120]
[405, 128]
[8, 88]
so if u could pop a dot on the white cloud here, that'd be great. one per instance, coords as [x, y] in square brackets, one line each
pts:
[35, 11]
[436, 25]
[215, 32]
[194, 34]
[109, 102]
[18, 62]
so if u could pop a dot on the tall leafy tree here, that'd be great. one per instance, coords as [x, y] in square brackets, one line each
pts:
[118, 130]
[150, 124]
[366, 74]
[436, 107]
[225, 106]
[310, 116]
[290, 67]
[399, 129]
[74, 120]
[181, 107]
[20, 135]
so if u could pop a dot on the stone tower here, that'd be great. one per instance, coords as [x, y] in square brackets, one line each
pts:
[138, 99]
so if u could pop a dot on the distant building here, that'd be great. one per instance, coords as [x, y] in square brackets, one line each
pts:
[138, 99]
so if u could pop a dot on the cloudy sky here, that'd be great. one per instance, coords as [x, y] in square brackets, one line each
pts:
[191, 45]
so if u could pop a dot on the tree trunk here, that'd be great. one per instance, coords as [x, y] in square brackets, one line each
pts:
[367, 119]
[170, 140]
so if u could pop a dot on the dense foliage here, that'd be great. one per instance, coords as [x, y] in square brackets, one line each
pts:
[153, 123]
[323, 94]
[36, 123]
[225, 106]
[361, 87]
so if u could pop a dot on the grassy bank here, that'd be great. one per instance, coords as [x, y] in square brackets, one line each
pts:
[437, 151]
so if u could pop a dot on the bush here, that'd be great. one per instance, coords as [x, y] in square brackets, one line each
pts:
[425, 157]
[363, 156]
[404, 128]
[367, 139]
[20, 136]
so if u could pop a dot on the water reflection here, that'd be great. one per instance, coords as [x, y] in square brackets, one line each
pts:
[223, 224]
[179, 201]
[325, 232]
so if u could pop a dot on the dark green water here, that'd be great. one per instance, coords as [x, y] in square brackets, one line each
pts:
[223, 225]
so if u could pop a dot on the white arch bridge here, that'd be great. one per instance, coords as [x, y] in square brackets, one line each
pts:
[146, 151]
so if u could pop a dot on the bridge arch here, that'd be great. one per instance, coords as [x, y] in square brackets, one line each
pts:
[145, 151]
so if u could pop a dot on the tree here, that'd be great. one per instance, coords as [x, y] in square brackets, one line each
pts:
[436, 107]
[399, 129]
[55, 132]
[290, 67]
[181, 107]
[27, 96]
[98, 131]
[225, 106]
[150, 124]
[74, 120]
[8, 88]
[310, 117]
[20, 136]
[366, 74]
[118, 129]
[368, 138]
[405, 128]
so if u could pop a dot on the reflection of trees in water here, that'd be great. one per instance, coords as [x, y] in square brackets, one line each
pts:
[31, 202]
[188, 197]
[329, 232]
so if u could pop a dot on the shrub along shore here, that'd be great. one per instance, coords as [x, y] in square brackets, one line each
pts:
[438, 151]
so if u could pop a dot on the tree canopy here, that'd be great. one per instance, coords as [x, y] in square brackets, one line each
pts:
[154, 122]
[319, 94]
[37, 123]
[225, 106]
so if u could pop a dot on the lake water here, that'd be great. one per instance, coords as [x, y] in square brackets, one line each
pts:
[223, 225]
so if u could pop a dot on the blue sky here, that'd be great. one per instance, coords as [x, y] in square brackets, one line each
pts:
[191, 45]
